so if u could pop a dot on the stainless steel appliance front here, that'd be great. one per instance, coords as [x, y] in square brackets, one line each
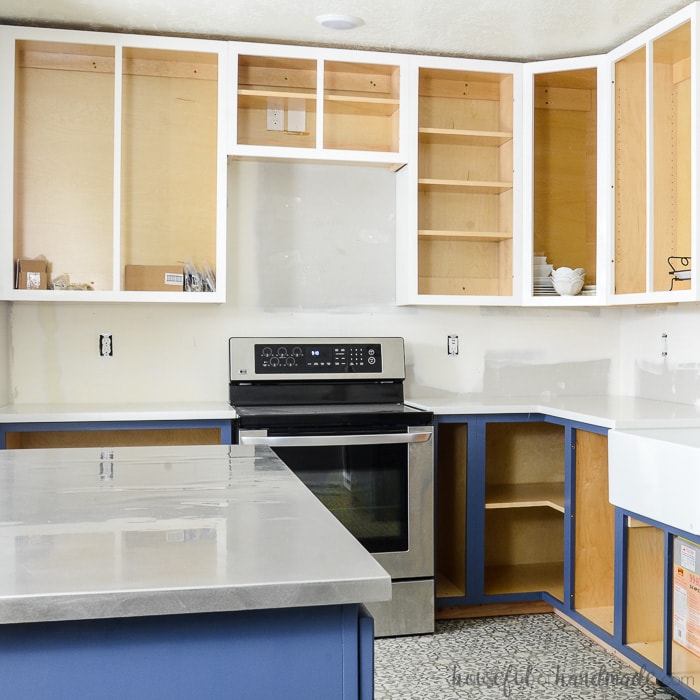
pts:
[332, 409]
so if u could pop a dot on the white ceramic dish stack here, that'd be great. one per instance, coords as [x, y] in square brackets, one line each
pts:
[568, 282]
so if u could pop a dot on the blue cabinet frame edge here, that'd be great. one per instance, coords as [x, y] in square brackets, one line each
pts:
[224, 425]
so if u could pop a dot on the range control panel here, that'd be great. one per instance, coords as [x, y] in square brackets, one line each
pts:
[317, 358]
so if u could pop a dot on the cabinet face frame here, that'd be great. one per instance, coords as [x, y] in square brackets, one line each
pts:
[337, 98]
[564, 87]
[644, 288]
[120, 44]
[487, 135]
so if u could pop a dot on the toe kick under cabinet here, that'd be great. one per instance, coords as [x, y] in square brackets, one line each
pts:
[113, 166]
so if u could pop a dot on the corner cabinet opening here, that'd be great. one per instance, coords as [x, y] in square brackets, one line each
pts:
[465, 183]
[117, 168]
[524, 525]
[564, 164]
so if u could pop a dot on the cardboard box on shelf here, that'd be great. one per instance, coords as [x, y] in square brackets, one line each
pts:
[154, 278]
[686, 594]
[31, 274]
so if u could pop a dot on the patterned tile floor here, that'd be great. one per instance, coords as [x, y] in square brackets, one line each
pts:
[522, 656]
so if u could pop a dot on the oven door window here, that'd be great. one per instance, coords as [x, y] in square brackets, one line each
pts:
[364, 486]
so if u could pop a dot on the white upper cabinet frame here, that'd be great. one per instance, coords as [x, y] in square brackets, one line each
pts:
[564, 178]
[146, 186]
[653, 164]
[310, 104]
[459, 197]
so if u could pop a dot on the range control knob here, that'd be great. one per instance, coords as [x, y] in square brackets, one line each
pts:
[290, 362]
[274, 361]
[297, 351]
[267, 352]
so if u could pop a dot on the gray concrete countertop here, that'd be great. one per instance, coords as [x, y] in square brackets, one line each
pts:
[131, 531]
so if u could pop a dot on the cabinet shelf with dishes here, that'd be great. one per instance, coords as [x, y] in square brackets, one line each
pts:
[564, 155]
[307, 104]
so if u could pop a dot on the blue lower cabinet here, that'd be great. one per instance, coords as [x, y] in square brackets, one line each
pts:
[294, 653]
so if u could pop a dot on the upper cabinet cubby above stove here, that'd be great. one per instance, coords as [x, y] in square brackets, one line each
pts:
[311, 104]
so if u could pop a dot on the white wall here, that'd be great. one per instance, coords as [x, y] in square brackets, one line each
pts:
[311, 252]
[644, 371]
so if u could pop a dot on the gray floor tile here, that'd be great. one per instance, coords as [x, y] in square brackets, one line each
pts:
[521, 656]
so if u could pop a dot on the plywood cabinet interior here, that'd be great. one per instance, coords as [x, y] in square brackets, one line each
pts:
[565, 161]
[116, 160]
[451, 510]
[652, 157]
[594, 532]
[524, 526]
[295, 101]
[465, 182]
[645, 590]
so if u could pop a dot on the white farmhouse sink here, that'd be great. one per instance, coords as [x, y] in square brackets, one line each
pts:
[656, 473]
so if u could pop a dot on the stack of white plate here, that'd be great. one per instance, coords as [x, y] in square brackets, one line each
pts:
[541, 281]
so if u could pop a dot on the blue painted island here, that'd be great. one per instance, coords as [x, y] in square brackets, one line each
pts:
[177, 572]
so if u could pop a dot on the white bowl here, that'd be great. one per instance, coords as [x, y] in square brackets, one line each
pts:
[566, 273]
[568, 287]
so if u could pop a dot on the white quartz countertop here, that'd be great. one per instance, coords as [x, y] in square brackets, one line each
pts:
[621, 412]
[131, 531]
[71, 413]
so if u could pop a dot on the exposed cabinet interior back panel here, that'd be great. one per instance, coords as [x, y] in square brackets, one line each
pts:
[672, 181]
[465, 183]
[630, 174]
[594, 532]
[645, 591]
[450, 509]
[64, 158]
[169, 158]
[565, 169]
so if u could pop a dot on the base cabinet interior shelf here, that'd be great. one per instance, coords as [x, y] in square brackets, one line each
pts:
[524, 508]
[501, 509]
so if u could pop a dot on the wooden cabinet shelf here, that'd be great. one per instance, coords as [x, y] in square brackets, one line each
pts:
[469, 137]
[473, 186]
[549, 495]
[353, 104]
[465, 235]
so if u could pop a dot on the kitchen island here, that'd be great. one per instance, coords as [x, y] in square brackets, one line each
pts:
[178, 572]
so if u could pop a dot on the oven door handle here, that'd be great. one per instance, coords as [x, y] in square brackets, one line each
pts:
[332, 440]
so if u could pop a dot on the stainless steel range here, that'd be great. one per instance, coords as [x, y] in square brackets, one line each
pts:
[333, 410]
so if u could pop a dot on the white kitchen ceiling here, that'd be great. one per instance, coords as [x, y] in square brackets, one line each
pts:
[517, 29]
